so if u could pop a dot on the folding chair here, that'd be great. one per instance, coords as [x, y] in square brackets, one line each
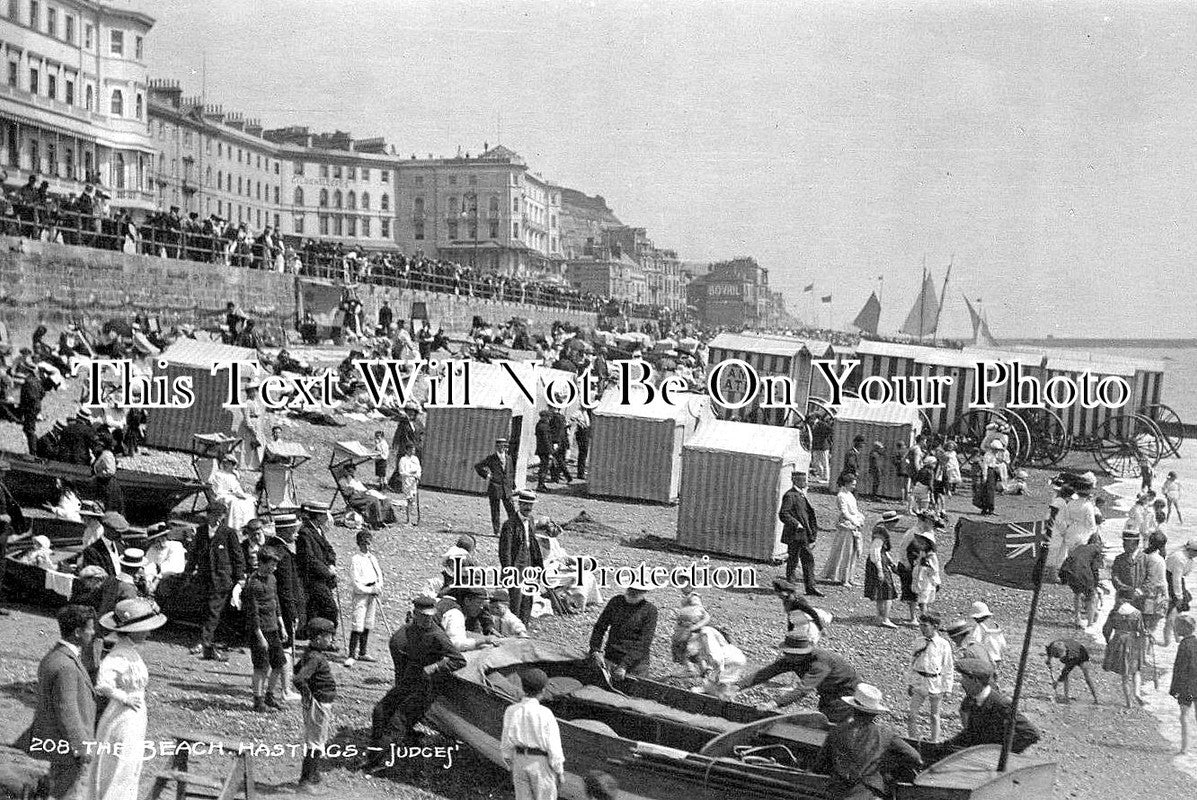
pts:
[344, 456]
[277, 491]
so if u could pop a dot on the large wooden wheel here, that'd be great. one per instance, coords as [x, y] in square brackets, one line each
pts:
[1122, 440]
[1020, 438]
[1048, 438]
[816, 409]
[1170, 425]
[969, 429]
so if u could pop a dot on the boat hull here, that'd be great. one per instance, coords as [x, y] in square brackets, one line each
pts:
[149, 497]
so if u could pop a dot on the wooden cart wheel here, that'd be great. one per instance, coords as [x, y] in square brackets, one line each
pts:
[1149, 438]
[1050, 441]
[1170, 425]
[816, 409]
[1020, 438]
[969, 428]
[1115, 446]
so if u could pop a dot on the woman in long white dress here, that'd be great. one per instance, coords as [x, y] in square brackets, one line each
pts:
[115, 769]
[226, 486]
[845, 551]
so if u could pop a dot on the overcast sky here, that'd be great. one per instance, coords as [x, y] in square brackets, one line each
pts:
[1049, 150]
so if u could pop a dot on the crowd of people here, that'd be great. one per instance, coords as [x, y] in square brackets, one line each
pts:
[275, 578]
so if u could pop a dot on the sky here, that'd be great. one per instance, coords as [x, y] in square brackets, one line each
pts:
[1046, 151]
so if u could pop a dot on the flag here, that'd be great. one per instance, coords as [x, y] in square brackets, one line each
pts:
[810, 287]
[870, 315]
[1001, 553]
[826, 298]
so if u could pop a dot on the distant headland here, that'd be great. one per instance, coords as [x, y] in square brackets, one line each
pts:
[1061, 341]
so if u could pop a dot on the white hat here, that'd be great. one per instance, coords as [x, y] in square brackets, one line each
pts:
[43, 542]
[133, 615]
[997, 444]
[980, 610]
[133, 558]
[867, 698]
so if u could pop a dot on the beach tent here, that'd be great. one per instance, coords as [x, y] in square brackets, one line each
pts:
[733, 477]
[458, 436]
[173, 428]
[893, 424]
[768, 356]
[636, 449]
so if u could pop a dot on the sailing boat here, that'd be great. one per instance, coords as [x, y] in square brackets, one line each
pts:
[924, 315]
[869, 316]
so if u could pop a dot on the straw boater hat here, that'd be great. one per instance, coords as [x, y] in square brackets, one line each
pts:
[928, 535]
[960, 627]
[525, 496]
[133, 558]
[890, 517]
[134, 615]
[867, 698]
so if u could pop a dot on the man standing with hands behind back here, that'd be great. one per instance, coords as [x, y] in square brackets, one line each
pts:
[799, 532]
[496, 471]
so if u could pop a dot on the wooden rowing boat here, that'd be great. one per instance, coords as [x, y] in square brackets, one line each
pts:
[149, 497]
[662, 742]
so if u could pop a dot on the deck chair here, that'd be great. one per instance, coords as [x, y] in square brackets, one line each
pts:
[277, 491]
[344, 456]
[209, 449]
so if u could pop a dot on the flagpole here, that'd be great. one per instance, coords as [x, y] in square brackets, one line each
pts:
[922, 298]
[1008, 739]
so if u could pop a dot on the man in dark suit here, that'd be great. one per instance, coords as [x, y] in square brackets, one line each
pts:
[65, 716]
[544, 451]
[519, 549]
[105, 552]
[12, 522]
[317, 562]
[78, 440]
[799, 532]
[496, 470]
[292, 603]
[223, 570]
[860, 755]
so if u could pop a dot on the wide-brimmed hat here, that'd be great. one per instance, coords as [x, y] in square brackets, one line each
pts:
[980, 610]
[890, 517]
[133, 558]
[43, 542]
[796, 644]
[1131, 532]
[960, 627]
[638, 584]
[997, 444]
[867, 698]
[928, 535]
[1089, 478]
[315, 508]
[134, 615]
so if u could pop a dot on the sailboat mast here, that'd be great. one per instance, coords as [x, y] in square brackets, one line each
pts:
[943, 296]
[922, 297]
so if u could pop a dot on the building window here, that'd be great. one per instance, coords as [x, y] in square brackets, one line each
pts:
[452, 180]
[351, 226]
[324, 170]
[258, 189]
[515, 230]
[419, 229]
[418, 208]
[35, 156]
[70, 93]
[297, 223]
[118, 103]
[515, 205]
[493, 206]
[208, 177]
[365, 201]
[90, 100]
[116, 45]
[324, 198]
[386, 202]
[239, 152]
[34, 14]
[118, 168]
[259, 162]
[337, 201]
[69, 25]
[219, 179]
[352, 176]
[276, 190]
[494, 229]
[386, 228]
[228, 184]
[298, 199]
[553, 221]
[276, 168]
[386, 176]
[52, 21]
[14, 70]
[351, 201]
[338, 226]
[419, 181]
[366, 226]
[239, 186]
[137, 49]
[52, 86]
[219, 149]
[473, 180]
[88, 32]
[453, 227]
[323, 225]
[298, 168]
[365, 173]
[453, 207]
[34, 82]
[52, 158]
[337, 174]
[137, 107]
[259, 217]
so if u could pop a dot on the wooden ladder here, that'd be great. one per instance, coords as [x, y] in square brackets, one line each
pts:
[239, 783]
